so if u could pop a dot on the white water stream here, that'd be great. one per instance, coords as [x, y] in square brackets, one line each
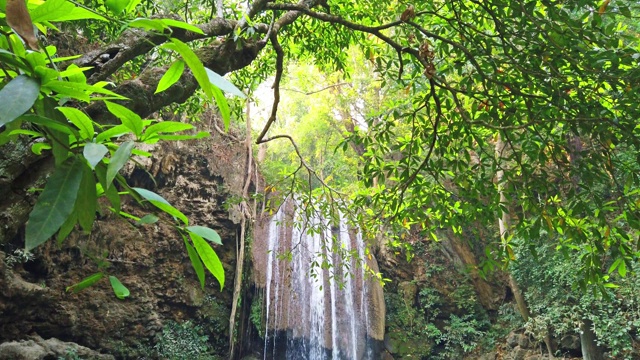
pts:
[316, 298]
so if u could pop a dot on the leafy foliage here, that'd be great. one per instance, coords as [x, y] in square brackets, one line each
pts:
[560, 307]
[182, 341]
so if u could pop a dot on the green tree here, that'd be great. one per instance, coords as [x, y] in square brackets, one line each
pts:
[555, 81]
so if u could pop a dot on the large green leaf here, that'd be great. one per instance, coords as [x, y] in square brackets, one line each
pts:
[150, 195]
[223, 106]
[194, 63]
[120, 290]
[17, 97]
[65, 128]
[195, 262]
[87, 201]
[128, 117]
[169, 209]
[55, 204]
[166, 127]
[119, 158]
[162, 204]
[94, 153]
[115, 131]
[67, 228]
[81, 91]
[148, 24]
[182, 25]
[209, 258]
[116, 6]
[206, 233]
[85, 283]
[61, 10]
[171, 76]
[110, 192]
[224, 84]
[80, 120]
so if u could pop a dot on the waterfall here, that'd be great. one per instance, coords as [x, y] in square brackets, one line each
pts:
[316, 291]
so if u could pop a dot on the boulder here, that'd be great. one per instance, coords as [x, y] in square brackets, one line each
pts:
[36, 348]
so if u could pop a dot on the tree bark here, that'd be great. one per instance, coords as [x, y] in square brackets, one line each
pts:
[504, 224]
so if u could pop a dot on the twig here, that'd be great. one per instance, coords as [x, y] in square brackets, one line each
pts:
[303, 163]
[276, 87]
[317, 91]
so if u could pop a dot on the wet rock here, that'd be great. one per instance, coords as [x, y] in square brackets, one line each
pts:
[518, 353]
[524, 342]
[512, 339]
[386, 356]
[570, 342]
[396, 343]
[536, 357]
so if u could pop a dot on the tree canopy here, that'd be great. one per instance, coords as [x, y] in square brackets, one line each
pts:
[473, 111]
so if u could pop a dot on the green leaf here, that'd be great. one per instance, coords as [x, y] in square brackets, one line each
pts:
[85, 283]
[119, 158]
[51, 124]
[166, 127]
[209, 258]
[55, 204]
[206, 233]
[129, 119]
[224, 84]
[94, 153]
[195, 262]
[614, 266]
[150, 195]
[67, 228]
[115, 131]
[116, 6]
[110, 192]
[132, 5]
[223, 106]
[75, 74]
[120, 290]
[80, 120]
[171, 76]
[81, 91]
[162, 204]
[148, 24]
[39, 147]
[622, 269]
[86, 204]
[17, 97]
[148, 219]
[61, 10]
[182, 25]
[170, 210]
[194, 63]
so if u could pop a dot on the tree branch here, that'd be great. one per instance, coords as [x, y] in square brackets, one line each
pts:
[276, 87]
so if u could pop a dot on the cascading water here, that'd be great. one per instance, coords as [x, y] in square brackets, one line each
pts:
[317, 301]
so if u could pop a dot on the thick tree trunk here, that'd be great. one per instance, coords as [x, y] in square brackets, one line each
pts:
[503, 223]
[461, 250]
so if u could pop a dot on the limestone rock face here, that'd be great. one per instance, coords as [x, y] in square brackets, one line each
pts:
[151, 261]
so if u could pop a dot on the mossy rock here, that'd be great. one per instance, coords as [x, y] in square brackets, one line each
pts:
[399, 344]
